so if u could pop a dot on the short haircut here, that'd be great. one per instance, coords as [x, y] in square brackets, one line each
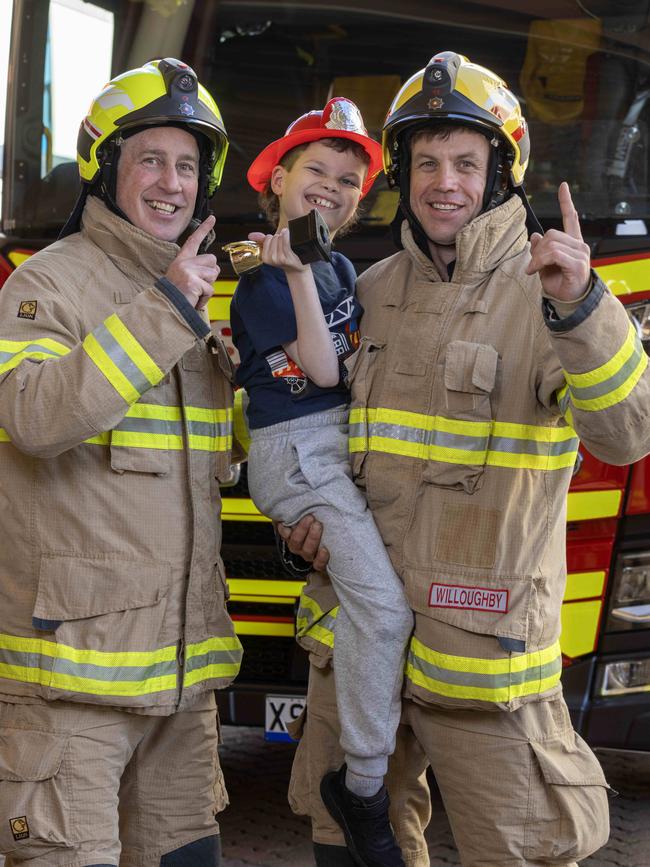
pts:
[270, 202]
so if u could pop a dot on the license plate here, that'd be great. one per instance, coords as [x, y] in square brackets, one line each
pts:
[281, 710]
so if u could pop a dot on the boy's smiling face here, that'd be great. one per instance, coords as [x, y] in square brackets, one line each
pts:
[321, 178]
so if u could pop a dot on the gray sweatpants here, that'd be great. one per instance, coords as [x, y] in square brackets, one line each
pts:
[301, 467]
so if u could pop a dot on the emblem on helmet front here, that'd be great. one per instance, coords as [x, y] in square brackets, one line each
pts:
[186, 109]
[346, 116]
[434, 103]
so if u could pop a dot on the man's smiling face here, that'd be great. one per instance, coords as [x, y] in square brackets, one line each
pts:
[157, 180]
[448, 177]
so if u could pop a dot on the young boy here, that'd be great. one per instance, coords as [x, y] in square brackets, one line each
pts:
[294, 325]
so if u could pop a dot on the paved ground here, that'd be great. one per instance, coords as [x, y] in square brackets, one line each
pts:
[259, 830]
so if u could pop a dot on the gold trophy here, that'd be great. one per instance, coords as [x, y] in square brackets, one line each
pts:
[310, 241]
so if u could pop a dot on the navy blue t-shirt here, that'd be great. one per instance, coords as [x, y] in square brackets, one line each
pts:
[263, 320]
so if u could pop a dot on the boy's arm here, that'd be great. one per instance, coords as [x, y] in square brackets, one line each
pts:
[313, 350]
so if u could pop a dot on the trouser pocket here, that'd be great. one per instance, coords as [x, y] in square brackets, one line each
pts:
[568, 810]
[35, 813]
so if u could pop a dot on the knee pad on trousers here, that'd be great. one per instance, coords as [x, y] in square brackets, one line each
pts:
[201, 853]
[332, 856]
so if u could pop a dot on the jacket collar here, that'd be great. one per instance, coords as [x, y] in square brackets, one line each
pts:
[482, 245]
[139, 256]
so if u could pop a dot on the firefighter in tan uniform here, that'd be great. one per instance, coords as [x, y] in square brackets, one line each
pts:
[484, 357]
[116, 413]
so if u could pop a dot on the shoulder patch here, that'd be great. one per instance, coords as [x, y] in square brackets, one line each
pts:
[27, 309]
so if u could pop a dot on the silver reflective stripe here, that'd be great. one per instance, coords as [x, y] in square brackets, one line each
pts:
[485, 681]
[121, 360]
[591, 392]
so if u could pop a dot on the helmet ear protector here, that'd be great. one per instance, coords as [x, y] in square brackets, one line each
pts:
[160, 93]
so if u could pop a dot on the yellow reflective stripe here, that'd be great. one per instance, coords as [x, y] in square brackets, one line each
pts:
[475, 665]
[580, 627]
[253, 627]
[215, 671]
[154, 411]
[103, 439]
[133, 439]
[86, 685]
[4, 436]
[618, 394]
[228, 642]
[210, 444]
[142, 360]
[207, 414]
[110, 370]
[582, 585]
[321, 634]
[501, 694]
[18, 345]
[587, 505]
[246, 586]
[103, 658]
[531, 462]
[609, 368]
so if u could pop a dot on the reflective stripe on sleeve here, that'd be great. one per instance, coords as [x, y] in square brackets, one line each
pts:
[12, 352]
[490, 680]
[212, 659]
[436, 438]
[313, 622]
[90, 672]
[122, 360]
[610, 383]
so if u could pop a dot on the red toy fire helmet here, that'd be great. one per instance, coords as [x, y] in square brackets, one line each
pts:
[339, 119]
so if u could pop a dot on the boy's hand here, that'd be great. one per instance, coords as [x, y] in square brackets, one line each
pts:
[276, 250]
[193, 273]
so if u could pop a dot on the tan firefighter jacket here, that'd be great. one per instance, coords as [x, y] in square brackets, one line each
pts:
[467, 407]
[115, 428]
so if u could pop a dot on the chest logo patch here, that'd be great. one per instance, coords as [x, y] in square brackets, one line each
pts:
[468, 598]
[27, 310]
[19, 827]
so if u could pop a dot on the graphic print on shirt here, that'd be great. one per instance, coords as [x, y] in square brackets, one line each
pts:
[345, 342]
[284, 367]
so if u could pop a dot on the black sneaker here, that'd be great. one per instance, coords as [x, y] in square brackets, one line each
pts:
[368, 832]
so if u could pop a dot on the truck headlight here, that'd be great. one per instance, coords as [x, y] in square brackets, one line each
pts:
[622, 678]
[630, 599]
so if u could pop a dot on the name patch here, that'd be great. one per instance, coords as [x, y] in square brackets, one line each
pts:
[468, 598]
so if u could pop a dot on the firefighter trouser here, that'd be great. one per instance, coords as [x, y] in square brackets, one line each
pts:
[83, 784]
[301, 467]
[519, 788]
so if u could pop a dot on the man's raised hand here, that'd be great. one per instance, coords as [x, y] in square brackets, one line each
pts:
[562, 259]
[193, 273]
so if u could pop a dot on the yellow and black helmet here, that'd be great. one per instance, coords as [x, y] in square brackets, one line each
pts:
[451, 89]
[160, 92]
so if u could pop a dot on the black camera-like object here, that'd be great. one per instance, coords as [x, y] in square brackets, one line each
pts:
[310, 238]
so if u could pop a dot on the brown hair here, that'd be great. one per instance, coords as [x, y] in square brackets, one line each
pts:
[270, 202]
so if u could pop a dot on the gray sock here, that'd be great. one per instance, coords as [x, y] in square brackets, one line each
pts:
[365, 787]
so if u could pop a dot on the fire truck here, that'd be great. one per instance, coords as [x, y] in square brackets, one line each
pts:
[582, 73]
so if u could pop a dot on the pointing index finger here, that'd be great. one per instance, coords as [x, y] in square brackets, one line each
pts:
[191, 246]
[570, 219]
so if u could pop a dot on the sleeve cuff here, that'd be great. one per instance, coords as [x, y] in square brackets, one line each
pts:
[193, 318]
[587, 304]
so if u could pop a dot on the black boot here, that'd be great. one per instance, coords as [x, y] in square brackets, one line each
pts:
[364, 821]
[201, 853]
[332, 856]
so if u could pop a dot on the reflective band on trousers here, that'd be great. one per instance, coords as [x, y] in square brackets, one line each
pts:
[491, 680]
[152, 426]
[311, 620]
[125, 673]
[123, 361]
[436, 438]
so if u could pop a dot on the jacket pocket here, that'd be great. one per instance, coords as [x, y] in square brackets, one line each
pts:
[471, 645]
[361, 370]
[126, 459]
[32, 793]
[461, 436]
[570, 815]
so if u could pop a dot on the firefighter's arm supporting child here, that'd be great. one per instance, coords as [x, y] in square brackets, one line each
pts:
[313, 350]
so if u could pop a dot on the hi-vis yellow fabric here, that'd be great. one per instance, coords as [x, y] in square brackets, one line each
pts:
[117, 427]
[467, 405]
